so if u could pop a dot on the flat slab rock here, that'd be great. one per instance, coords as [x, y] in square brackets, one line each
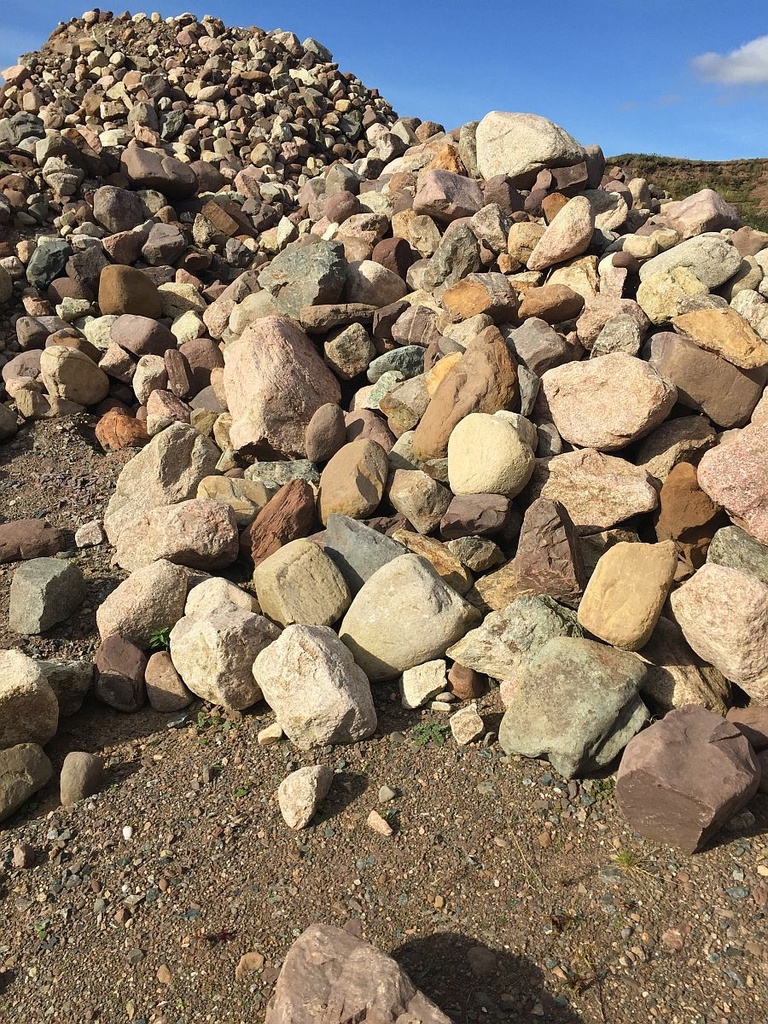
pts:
[682, 779]
[352, 981]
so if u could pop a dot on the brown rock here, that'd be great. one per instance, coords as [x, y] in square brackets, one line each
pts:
[483, 380]
[198, 533]
[482, 293]
[141, 335]
[705, 381]
[687, 515]
[465, 683]
[155, 169]
[330, 968]
[548, 558]
[753, 723]
[680, 780]
[29, 538]
[724, 332]
[127, 290]
[476, 514]
[353, 481]
[116, 430]
[165, 688]
[365, 424]
[326, 432]
[552, 303]
[82, 775]
[120, 670]
[395, 254]
[446, 197]
[287, 516]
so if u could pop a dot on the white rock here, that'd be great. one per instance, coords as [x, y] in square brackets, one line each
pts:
[318, 693]
[300, 794]
[422, 682]
[29, 711]
[214, 655]
[403, 616]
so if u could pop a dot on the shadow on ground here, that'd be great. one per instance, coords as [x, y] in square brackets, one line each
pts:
[471, 982]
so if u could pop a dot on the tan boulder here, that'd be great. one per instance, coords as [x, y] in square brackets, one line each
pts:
[626, 593]
[353, 481]
[726, 333]
[300, 583]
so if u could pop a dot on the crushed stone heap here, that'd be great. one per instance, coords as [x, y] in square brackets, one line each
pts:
[471, 404]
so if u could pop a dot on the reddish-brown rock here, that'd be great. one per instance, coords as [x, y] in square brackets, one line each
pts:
[116, 430]
[120, 670]
[548, 558]
[326, 432]
[29, 538]
[680, 780]
[287, 516]
[127, 290]
[736, 476]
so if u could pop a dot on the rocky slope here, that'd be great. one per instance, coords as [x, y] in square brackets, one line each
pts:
[466, 418]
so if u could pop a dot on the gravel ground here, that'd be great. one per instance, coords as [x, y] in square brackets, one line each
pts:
[508, 894]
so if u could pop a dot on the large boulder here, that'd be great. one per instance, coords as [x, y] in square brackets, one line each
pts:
[214, 654]
[275, 381]
[198, 533]
[723, 613]
[682, 779]
[167, 471]
[518, 145]
[403, 616]
[300, 583]
[576, 702]
[29, 711]
[44, 592]
[150, 600]
[318, 693]
[329, 967]
[607, 402]
[735, 475]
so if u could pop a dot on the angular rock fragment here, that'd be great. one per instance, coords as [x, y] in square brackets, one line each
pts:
[682, 779]
[301, 793]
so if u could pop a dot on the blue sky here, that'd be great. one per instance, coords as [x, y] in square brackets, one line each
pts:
[674, 77]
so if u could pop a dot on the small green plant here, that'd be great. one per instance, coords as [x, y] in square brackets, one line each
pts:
[242, 791]
[602, 789]
[626, 859]
[430, 732]
[41, 929]
[159, 640]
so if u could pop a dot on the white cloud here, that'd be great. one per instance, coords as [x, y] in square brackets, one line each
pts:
[748, 65]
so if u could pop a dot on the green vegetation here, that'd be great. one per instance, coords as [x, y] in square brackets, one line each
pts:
[158, 641]
[430, 732]
[744, 183]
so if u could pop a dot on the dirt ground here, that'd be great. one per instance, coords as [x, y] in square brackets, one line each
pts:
[508, 894]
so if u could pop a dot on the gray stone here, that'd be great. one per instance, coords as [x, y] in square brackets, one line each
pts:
[70, 682]
[47, 262]
[711, 257]
[735, 548]
[357, 550]
[505, 637]
[676, 676]
[44, 591]
[310, 275]
[575, 702]
[24, 769]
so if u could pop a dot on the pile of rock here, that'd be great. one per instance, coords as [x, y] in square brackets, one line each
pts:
[490, 411]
